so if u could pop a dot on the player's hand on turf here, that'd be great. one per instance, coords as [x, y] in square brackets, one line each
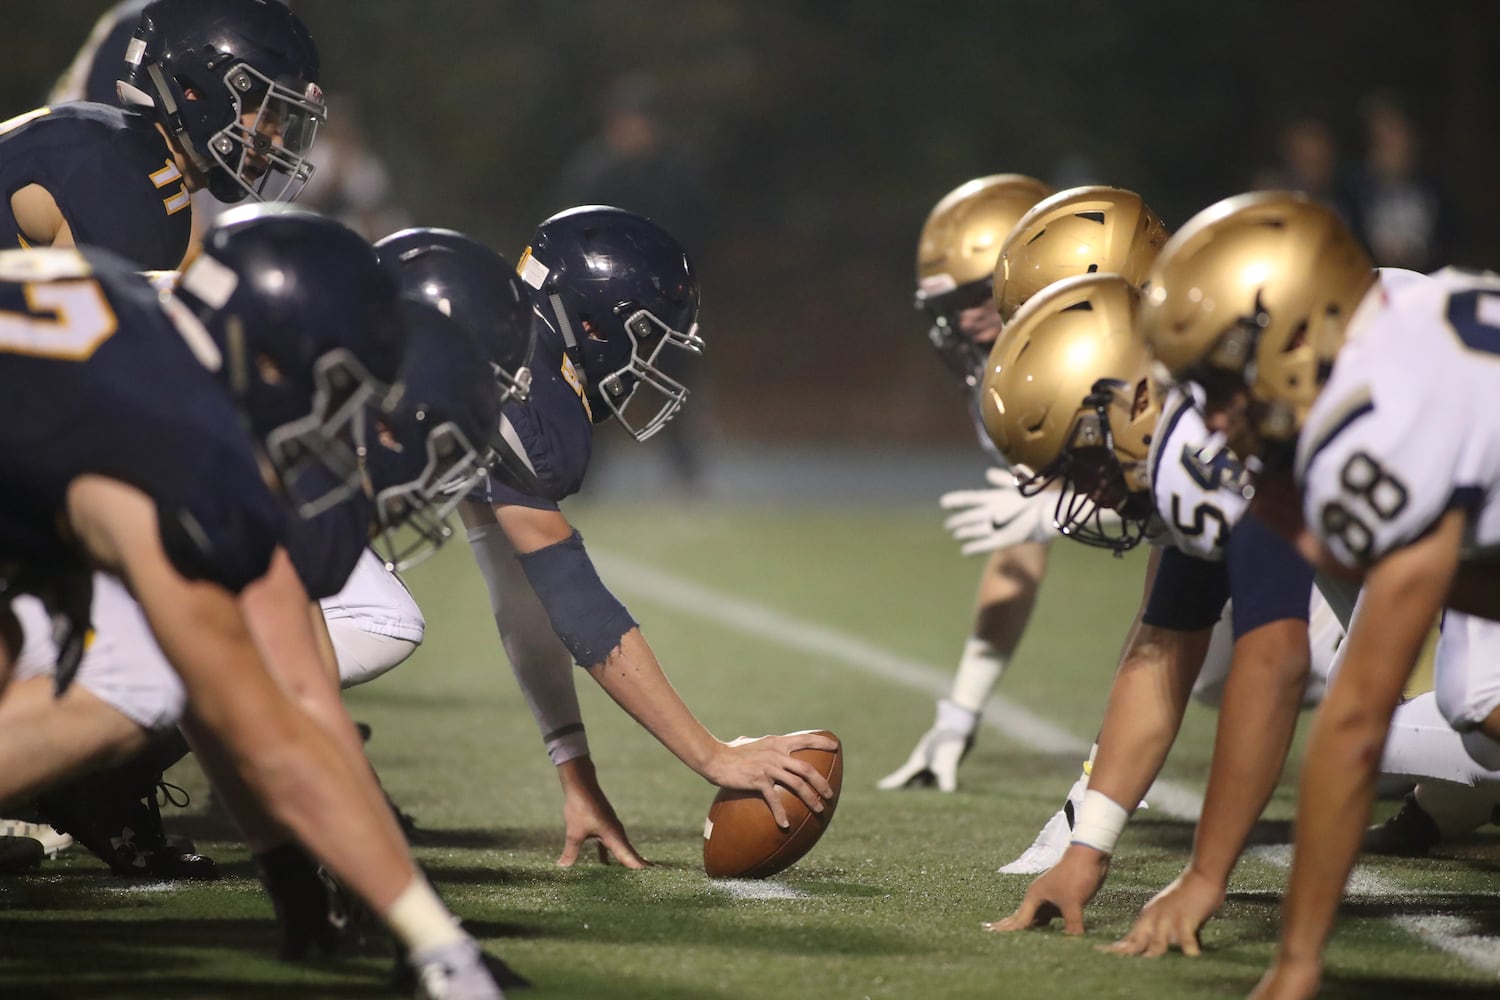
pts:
[1173, 918]
[587, 815]
[937, 755]
[1288, 980]
[760, 764]
[1061, 891]
[998, 518]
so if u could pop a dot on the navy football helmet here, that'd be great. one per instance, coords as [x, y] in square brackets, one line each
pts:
[428, 449]
[236, 82]
[467, 281]
[305, 320]
[621, 291]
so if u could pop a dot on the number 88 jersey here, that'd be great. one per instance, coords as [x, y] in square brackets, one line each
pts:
[1407, 426]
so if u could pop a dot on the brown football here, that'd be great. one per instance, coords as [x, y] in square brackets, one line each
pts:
[741, 840]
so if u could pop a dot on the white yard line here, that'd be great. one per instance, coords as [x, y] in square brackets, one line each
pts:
[756, 890]
[1451, 934]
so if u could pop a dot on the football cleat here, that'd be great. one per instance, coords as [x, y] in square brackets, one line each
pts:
[1409, 833]
[19, 854]
[456, 972]
[122, 830]
[302, 901]
[53, 842]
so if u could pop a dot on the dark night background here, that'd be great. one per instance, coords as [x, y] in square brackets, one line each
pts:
[809, 140]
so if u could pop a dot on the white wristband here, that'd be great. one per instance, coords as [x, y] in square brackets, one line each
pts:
[1100, 822]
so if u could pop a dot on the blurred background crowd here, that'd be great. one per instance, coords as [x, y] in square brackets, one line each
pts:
[795, 148]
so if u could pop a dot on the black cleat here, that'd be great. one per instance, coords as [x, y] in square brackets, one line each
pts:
[1410, 833]
[121, 826]
[19, 854]
[300, 898]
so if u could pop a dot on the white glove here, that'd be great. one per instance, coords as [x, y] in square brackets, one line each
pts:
[938, 752]
[987, 520]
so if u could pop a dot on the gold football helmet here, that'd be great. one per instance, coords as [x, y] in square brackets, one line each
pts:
[1067, 396]
[956, 260]
[1083, 230]
[1257, 289]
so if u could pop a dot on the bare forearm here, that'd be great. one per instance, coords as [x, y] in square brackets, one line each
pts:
[1333, 807]
[1403, 594]
[1146, 705]
[634, 679]
[1007, 593]
[1259, 716]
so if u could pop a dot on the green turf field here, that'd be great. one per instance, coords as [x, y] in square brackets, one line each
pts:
[888, 905]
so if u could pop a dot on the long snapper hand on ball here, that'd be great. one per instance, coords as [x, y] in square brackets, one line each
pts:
[742, 840]
[759, 764]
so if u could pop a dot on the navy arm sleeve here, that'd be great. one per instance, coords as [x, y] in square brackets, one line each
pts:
[1268, 580]
[1188, 594]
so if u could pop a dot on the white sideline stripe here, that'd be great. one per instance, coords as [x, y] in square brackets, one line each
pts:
[755, 890]
[1454, 935]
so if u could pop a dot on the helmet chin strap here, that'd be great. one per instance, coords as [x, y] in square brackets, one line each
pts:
[202, 165]
[570, 340]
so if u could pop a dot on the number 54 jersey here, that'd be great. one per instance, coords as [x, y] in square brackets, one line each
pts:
[1198, 487]
[1408, 426]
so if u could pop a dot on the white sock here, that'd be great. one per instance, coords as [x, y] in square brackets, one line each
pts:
[979, 670]
[420, 920]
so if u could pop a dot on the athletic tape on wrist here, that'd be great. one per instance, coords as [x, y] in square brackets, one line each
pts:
[1100, 822]
[588, 619]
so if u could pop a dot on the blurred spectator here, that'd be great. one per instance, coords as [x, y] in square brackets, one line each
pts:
[1074, 170]
[1392, 202]
[632, 163]
[350, 182]
[1309, 161]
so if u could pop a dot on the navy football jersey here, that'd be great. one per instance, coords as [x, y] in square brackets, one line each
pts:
[325, 549]
[95, 378]
[551, 434]
[111, 173]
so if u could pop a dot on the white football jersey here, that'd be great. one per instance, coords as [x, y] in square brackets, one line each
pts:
[1407, 426]
[1197, 485]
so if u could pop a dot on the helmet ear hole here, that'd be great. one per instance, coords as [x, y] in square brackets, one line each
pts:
[1142, 399]
[267, 368]
[1297, 338]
